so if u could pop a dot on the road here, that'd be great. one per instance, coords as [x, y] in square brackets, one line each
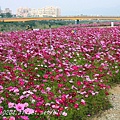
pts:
[61, 18]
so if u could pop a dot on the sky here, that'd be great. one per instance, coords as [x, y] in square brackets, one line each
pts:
[68, 7]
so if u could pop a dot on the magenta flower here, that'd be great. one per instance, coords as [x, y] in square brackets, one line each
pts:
[78, 83]
[1, 110]
[24, 117]
[60, 85]
[76, 105]
[21, 82]
[45, 76]
[4, 118]
[75, 67]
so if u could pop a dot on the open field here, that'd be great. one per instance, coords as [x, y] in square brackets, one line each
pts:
[16, 26]
[58, 74]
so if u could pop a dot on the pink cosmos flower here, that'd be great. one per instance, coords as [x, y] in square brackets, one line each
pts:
[75, 67]
[1, 98]
[1, 110]
[48, 89]
[4, 118]
[24, 117]
[12, 118]
[76, 105]
[28, 111]
[26, 104]
[22, 96]
[97, 56]
[78, 83]
[39, 103]
[21, 82]
[19, 107]
[64, 114]
[11, 105]
[83, 102]
[1, 88]
[60, 85]
[45, 76]
[16, 90]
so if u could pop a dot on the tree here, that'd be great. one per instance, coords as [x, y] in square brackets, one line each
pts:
[2, 15]
[6, 15]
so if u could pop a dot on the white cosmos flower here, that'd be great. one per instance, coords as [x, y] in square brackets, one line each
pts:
[64, 114]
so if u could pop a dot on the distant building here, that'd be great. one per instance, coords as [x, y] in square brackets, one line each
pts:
[49, 12]
[23, 12]
[7, 10]
[0, 10]
[33, 13]
[41, 12]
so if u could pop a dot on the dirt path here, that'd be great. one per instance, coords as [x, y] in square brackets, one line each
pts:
[113, 113]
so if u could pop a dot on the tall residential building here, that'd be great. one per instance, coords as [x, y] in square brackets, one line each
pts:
[49, 12]
[23, 12]
[33, 13]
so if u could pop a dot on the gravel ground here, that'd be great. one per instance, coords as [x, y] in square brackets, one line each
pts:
[113, 113]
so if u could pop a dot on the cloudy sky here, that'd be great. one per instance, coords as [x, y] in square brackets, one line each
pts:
[69, 7]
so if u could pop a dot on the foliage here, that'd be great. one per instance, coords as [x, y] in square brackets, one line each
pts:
[15, 26]
[6, 15]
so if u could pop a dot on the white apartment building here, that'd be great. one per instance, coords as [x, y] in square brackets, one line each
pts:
[33, 13]
[49, 12]
[23, 12]
[41, 12]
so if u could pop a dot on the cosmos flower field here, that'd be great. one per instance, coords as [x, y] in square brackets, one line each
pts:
[58, 73]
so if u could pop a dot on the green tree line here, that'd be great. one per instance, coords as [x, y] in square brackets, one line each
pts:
[6, 15]
[15, 26]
